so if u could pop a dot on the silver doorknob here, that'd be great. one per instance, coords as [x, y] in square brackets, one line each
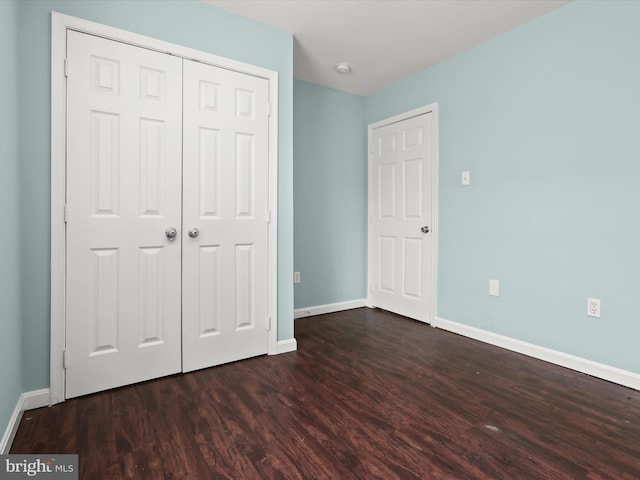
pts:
[194, 232]
[171, 233]
[424, 229]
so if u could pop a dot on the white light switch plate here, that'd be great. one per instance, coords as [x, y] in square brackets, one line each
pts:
[466, 178]
[494, 288]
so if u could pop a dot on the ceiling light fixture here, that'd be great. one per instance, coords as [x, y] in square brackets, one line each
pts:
[343, 68]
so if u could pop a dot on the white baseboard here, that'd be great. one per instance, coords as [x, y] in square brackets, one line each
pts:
[26, 401]
[329, 308]
[12, 427]
[284, 346]
[595, 369]
[36, 399]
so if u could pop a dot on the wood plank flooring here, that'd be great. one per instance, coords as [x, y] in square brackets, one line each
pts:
[368, 395]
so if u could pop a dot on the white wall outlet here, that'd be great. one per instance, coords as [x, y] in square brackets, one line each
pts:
[466, 178]
[296, 277]
[494, 288]
[593, 307]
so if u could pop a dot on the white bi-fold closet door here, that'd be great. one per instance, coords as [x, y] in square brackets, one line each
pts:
[167, 215]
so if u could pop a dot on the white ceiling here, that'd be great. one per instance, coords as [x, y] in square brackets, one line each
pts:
[383, 40]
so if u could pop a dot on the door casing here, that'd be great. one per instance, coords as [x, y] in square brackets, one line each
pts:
[59, 25]
[432, 108]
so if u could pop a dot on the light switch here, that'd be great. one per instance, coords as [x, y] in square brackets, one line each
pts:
[494, 288]
[466, 178]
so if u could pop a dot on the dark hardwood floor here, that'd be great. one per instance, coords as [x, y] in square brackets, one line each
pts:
[368, 395]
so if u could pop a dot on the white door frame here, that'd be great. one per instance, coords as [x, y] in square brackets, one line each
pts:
[59, 25]
[432, 108]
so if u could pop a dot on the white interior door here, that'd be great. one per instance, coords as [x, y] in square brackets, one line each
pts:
[400, 238]
[123, 291]
[225, 274]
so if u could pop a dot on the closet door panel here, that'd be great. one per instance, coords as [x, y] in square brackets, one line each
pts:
[225, 175]
[124, 124]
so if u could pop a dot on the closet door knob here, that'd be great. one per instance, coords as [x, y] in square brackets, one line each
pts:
[194, 232]
[171, 233]
[424, 229]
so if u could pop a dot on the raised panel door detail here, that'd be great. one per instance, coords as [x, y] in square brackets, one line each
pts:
[387, 189]
[244, 175]
[386, 143]
[151, 166]
[412, 178]
[412, 267]
[413, 137]
[208, 96]
[209, 172]
[151, 295]
[105, 302]
[152, 84]
[105, 162]
[387, 263]
[209, 286]
[245, 101]
[105, 75]
[244, 286]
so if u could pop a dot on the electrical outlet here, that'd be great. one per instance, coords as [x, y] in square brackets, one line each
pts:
[296, 277]
[593, 307]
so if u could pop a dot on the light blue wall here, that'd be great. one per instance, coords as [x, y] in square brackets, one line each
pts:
[185, 22]
[10, 315]
[330, 195]
[547, 119]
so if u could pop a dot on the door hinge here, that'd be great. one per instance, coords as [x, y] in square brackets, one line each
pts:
[371, 150]
[65, 358]
[269, 322]
[268, 216]
[269, 109]
[66, 67]
[66, 213]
